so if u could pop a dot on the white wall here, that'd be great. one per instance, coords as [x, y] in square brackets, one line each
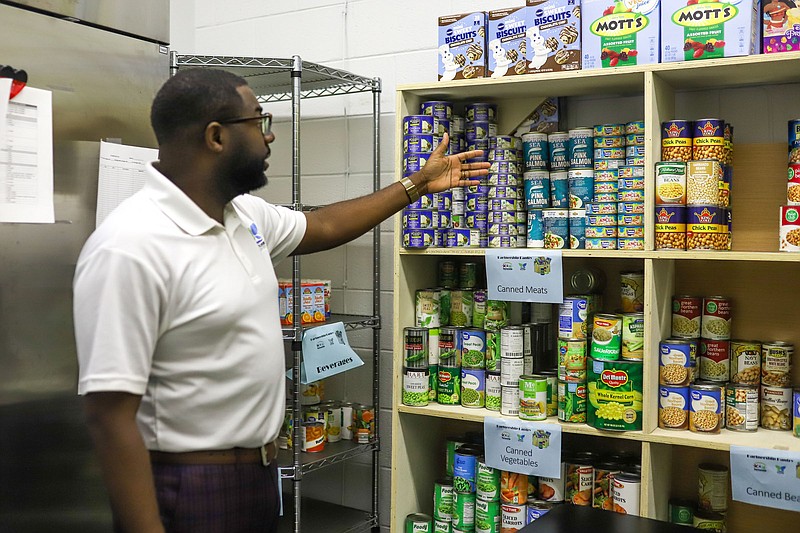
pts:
[393, 40]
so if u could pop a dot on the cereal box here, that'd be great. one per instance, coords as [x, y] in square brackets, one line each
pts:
[781, 26]
[620, 33]
[554, 34]
[702, 29]
[462, 46]
[506, 42]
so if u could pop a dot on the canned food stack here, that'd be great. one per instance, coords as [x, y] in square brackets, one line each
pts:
[506, 216]
[427, 220]
[571, 392]
[693, 185]
[326, 422]
[708, 513]
[789, 235]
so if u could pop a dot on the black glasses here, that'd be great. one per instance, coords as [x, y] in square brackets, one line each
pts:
[265, 118]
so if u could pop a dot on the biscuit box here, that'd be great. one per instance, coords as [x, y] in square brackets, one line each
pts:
[620, 34]
[702, 29]
[462, 46]
[781, 26]
[554, 35]
[506, 42]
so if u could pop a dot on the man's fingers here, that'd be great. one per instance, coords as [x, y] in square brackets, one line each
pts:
[442, 148]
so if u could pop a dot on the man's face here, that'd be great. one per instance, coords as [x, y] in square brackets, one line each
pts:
[245, 164]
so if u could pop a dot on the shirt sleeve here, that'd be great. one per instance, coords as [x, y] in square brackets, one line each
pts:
[282, 228]
[116, 311]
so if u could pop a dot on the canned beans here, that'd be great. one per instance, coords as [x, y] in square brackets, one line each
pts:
[775, 408]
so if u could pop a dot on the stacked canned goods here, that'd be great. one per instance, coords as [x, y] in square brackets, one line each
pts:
[615, 218]
[790, 213]
[506, 215]
[708, 512]
[574, 316]
[693, 185]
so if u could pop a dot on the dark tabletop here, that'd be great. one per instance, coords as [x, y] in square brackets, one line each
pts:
[568, 518]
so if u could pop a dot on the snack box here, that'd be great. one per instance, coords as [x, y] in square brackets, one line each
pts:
[620, 34]
[462, 46]
[506, 42]
[700, 29]
[554, 35]
[780, 26]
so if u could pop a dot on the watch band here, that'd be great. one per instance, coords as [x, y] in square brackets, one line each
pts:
[411, 189]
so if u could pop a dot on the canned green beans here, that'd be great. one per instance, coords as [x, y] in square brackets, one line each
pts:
[487, 516]
[464, 511]
[488, 482]
[419, 523]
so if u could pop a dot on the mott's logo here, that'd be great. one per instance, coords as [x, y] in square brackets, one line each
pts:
[704, 14]
[674, 131]
[618, 24]
[614, 378]
[708, 129]
[705, 216]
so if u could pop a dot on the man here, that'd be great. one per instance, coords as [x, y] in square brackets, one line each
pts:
[176, 319]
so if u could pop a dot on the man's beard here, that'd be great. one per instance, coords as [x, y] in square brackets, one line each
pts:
[245, 174]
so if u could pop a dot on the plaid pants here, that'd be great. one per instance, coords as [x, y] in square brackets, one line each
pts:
[237, 498]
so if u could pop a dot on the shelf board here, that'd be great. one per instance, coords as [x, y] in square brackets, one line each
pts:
[762, 438]
[709, 255]
[351, 323]
[731, 71]
[333, 453]
[457, 412]
[316, 515]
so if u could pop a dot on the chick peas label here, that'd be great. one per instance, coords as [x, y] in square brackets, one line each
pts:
[618, 29]
[703, 23]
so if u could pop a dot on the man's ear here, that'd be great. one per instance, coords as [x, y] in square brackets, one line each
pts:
[214, 136]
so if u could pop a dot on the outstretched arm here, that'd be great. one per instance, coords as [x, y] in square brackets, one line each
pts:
[338, 223]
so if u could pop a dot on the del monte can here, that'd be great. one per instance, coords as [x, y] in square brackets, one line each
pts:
[615, 395]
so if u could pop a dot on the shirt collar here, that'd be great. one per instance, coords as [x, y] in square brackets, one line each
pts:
[174, 203]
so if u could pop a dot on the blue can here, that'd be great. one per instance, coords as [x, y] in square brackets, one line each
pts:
[440, 238]
[558, 148]
[437, 108]
[537, 509]
[481, 188]
[794, 133]
[463, 238]
[537, 189]
[580, 148]
[502, 217]
[559, 189]
[498, 179]
[577, 229]
[420, 219]
[414, 163]
[465, 468]
[503, 191]
[604, 130]
[609, 153]
[473, 348]
[480, 129]
[476, 202]
[535, 228]
[476, 220]
[418, 238]
[419, 144]
[425, 201]
[443, 200]
[480, 111]
[504, 167]
[581, 187]
[504, 204]
[445, 220]
[419, 125]
[501, 154]
[556, 228]
[634, 151]
[536, 152]
[473, 379]
[505, 142]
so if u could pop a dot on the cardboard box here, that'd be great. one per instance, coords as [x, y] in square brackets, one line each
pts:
[554, 35]
[506, 42]
[780, 26]
[708, 30]
[462, 46]
[620, 33]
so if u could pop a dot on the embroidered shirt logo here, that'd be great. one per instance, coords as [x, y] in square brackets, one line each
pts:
[257, 236]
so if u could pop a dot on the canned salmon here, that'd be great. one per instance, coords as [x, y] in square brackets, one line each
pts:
[580, 186]
[558, 144]
[556, 228]
[796, 411]
[415, 347]
[673, 407]
[712, 487]
[535, 150]
[705, 408]
[606, 337]
[559, 190]
[716, 319]
[776, 406]
[537, 189]
[741, 407]
[532, 397]
[535, 228]
[577, 228]
[776, 363]
[580, 148]
[714, 360]
[626, 493]
[572, 402]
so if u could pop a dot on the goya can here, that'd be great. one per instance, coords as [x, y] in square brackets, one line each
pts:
[443, 499]
[487, 516]
[673, 407]
[741, 407]
[473, 387]
[537, 189]
[572, 360]
[448, 385]
[532, 397]
[577, 229]
[571, 402]
[488, 482]
[415, 347]
[606, 337]
[415, 386]
[632, 336]
[615, 395]
[419, 523]
[706, 401]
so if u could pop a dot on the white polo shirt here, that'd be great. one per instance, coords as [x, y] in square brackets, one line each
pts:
[173, 306]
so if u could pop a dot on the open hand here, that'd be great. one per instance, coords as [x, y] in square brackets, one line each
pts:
[443, 172]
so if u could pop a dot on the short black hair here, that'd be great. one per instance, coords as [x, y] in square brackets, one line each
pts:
[192, 98]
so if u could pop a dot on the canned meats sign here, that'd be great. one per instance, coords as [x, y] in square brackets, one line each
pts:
[525, 276]
[531, 448]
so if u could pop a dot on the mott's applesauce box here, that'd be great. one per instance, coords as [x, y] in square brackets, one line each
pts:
[462, 46]
[703, 29]
[621, 33]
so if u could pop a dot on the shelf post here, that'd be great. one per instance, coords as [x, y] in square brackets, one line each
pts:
[376, 296]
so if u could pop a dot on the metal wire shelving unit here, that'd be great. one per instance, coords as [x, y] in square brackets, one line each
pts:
[277, 80]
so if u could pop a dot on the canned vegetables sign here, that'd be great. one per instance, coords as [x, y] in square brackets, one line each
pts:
[532, 448]
[525, 276]
[770, 478]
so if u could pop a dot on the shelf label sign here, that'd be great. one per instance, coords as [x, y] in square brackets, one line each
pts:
[532, 448]
[525, 275]
[326, 352]
[770, 478]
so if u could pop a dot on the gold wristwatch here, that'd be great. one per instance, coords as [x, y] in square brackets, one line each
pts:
[411, 189]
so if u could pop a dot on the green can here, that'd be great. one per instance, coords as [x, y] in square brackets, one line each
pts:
[632, 336]
[606, 337]
[492, 350]
[552, 391]
[468, 275]
[419, 523]
[450, 458]
[681, 512]
[442, 526]
[444, 307]
[479, 297]
[464, 511]
[571, 402]
[461, 302]
[448, 385]
[487, 483]
[443, 499]
[533, 397]
[487, 516]
[448, 274]
[615, 395]
[428, 302]
[496, 314]
[433, 379]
